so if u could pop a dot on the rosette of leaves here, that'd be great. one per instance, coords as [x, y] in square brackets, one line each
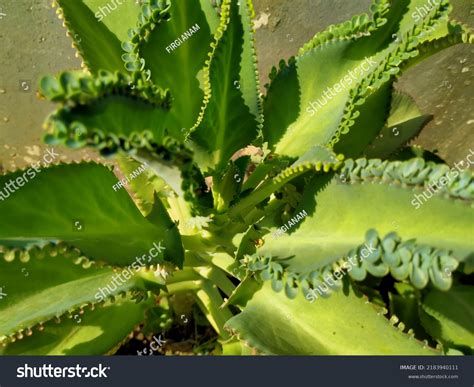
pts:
[226, 167]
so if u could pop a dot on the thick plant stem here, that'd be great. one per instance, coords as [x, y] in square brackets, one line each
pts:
[218, 277]
[210, 301]
[184, 275]
[195, 243]
[253, 199]
[186, 286]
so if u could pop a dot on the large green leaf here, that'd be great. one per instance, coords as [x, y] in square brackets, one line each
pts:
[78, 204]
[405, 306]
[380, 196]
[92, 333]
[174, 54]
[311, 74]
[403, 124]
[449, 316]
[117, 19]
[300, 110]
[373, 115]
[98, 27]
[105, 111]
[345, 324]
[445, 36]
[231, 113]
[40, 289]
[145, 185]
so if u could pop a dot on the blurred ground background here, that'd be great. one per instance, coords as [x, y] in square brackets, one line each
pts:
[33, 43]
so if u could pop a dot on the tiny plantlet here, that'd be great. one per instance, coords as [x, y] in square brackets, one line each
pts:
[319, 157]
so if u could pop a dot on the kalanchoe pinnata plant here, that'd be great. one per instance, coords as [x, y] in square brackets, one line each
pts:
[258, 202]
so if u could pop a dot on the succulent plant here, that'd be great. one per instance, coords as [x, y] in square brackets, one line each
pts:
[254, 203]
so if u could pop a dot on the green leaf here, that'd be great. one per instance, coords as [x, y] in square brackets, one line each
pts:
[92, 333]
[311, 101]
[112, 123]
[445, 36]
[105, 111]
[98, 27]
[78, 204]
[244, 292]
[230, 115]
[117, 19]
[405, 306]
[316, 159]
[410, 152]
[144, 185]
[289, 127]
[403, 124]
[344, 324]
[318, 154]
[174, 54]
[41, 289]
[209, 299]
[372, 117]
[225, 186]
[262, 171]
[234, 347]
[450, 315]
[380, 196]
